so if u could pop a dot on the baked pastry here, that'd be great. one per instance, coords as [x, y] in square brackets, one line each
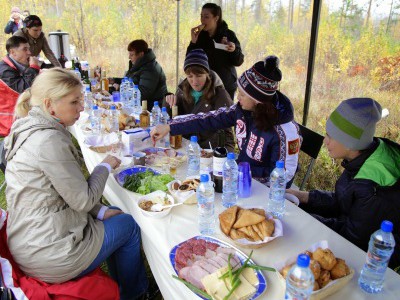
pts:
[340, 269]
[309, 253]
[325, 258]
[247, 218]
[236, 234]
[324, 278]
[286, 270]
[316, 286]
[227, 218]
[315, 268]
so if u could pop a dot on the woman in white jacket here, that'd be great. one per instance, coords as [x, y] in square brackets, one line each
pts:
[57, 228]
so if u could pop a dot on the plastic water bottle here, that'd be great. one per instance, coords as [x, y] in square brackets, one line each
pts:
[96, 120]
[300, 280]
[77, 73]
[276, 202]
[230, 181]
[129, 93]
[123, 92]
[113, 119]
[88, 100]
[165, 120]
[156, 114]
[137, 106]
[193, 154]
[381, 247]
[205, 202]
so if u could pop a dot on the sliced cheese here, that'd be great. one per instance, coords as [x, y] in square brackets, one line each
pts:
[214, 286]
[250, 276]
[218, 288]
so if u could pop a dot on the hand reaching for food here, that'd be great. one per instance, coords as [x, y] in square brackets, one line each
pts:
[159, 132]
[112, 161]
[195, 31]
[171, 100]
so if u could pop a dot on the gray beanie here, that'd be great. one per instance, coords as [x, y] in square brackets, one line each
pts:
[353, 122]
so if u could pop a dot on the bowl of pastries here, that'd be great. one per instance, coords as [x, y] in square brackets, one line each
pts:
[184, 191]
[249, 227]
[331, 273]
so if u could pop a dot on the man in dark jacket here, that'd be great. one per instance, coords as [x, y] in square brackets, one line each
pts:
[18, 68]
[15, 22]
[146, 72]
[368, 191]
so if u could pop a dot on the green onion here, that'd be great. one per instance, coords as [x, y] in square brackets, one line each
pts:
[193, 288]
[257, 267]
[234, 287]
[230, 268]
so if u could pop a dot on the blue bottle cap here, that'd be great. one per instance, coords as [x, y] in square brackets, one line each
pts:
[155, 103]
[204, 178]
[164, 109]
[280, 164]
[231, 155]
[112, 107]
[95, 107]
[193, 138]
[387, 226]
[87, 88]
[136, 86]
[303, 260]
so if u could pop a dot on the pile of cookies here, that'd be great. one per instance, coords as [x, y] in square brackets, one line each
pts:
[251, 224]
[325, 267]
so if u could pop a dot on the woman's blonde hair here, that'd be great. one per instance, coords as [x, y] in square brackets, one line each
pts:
[52, 84]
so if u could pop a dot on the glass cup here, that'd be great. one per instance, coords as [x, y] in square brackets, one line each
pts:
[244, 180]
[173, 165]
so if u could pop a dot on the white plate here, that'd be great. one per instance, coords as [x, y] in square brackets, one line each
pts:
[154, 197]
[220, 46]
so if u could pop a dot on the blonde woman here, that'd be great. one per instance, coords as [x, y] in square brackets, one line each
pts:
[57, 229]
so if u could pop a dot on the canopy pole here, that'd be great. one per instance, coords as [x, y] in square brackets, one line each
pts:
[311, 57]
[177, 41]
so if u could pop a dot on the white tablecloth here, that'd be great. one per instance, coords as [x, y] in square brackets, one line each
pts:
[301, 230]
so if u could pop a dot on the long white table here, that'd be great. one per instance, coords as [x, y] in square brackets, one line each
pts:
[300, 231]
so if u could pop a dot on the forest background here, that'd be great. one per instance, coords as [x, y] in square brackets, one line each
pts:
[358, 50]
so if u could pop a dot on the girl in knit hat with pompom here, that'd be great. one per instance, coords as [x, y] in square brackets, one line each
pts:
[368, 191]
[202, 91]
[263, 120]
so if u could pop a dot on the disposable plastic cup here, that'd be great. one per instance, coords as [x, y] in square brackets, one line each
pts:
[116, 96]
[244, 180]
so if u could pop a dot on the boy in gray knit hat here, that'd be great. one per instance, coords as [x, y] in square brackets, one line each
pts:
[368, 191]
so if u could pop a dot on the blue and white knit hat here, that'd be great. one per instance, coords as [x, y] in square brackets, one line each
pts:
[262, 79]
[353, 122]
[196, 57]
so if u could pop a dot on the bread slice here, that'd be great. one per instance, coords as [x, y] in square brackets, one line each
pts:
[248, 218]
[227, 219]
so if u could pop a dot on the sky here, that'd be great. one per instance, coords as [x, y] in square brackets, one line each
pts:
[380, 11]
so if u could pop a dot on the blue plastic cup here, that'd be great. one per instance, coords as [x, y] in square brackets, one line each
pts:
[244, 180]
[116, 96]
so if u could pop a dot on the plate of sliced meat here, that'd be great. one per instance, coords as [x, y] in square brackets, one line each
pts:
[204, 262]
